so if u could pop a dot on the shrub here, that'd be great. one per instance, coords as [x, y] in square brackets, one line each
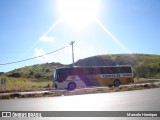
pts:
[16, 75]
[37, 76]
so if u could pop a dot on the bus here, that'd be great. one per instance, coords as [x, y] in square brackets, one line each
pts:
[81, 77]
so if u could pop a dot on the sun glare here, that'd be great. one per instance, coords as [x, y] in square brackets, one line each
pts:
[78, 13]
[112, 36]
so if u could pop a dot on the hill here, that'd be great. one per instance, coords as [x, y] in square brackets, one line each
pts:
[39, 71]
[145, 66]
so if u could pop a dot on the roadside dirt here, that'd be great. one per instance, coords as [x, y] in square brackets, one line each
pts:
[92, 90]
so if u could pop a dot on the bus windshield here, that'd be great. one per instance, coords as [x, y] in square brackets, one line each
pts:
[55, 75]
[60, 74]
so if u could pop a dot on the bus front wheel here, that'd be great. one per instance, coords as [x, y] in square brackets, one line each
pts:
[71, 86]
[117, 83]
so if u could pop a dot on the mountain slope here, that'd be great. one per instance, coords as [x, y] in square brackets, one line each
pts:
[39, 71]
[145, 65]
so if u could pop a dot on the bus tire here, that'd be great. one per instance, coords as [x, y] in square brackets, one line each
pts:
[117, 83]
[71, 86]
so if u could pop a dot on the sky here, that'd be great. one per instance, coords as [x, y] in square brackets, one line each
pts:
[30, 28]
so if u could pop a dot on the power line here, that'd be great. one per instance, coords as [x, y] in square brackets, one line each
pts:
[34, 57]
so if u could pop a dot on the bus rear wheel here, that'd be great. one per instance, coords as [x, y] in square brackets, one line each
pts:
[71, 86]
[117, 83]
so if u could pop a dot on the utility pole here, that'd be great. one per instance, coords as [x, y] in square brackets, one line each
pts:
[72, 52]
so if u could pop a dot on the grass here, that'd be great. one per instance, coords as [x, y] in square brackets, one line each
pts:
[23, 84]
[83, 91]
[140, 80]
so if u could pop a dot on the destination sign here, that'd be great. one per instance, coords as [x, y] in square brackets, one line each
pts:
[116, 75]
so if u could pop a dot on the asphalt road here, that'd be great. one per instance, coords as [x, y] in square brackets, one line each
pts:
[138, 100]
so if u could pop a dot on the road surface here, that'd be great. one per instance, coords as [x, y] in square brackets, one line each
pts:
[137, 100]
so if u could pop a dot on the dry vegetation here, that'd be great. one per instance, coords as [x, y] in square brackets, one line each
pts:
[24, 84]
[51, 92]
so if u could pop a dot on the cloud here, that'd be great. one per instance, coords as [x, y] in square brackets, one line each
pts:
[46, 58]
[46, 38]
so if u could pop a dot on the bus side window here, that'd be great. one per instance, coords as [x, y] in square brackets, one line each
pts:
[91, 71]
[69, 72]
[85, 72]
[127, 70]
[111, 71]
[80, 71]
[121, 70]
[72, 72]
[98, 71]
[105, 70]
[118, 70]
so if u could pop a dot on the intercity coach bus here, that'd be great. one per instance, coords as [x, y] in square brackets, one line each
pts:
[79, 77]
